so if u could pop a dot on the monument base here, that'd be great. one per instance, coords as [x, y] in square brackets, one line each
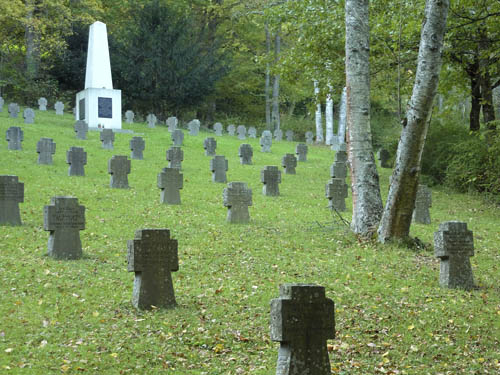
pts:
[100, 108]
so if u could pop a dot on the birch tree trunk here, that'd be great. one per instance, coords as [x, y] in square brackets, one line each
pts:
[275, 116]
[32, 41]
[268, 79]
[400, 203]
[329, 117]
[366, 199]
[319, 122]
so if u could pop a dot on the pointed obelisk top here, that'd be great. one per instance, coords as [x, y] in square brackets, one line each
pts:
[98, 74]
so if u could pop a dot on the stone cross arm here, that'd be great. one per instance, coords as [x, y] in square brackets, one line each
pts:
[64, 214]
[453, 238]
[152, 248]
[170, 174]
[11, 189]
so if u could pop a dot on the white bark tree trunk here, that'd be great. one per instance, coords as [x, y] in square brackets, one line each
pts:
[366, 199]
[319, 120]
[342, 116]
[268, 79]
[329, 117]
[275, 116]
[400, 203]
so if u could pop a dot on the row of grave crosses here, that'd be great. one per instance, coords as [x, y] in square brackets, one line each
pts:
[29, 113]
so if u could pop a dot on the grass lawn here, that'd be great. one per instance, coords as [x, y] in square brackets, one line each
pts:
[76, 316]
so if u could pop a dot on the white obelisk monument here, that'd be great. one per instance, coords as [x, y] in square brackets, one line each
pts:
[99, 105]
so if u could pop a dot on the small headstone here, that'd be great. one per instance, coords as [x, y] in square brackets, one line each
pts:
[302, 320]
[11, 194]
[278, 135]
[218, 128]
[194, 127]
[107, 138]
[42, 104]
[336, 192]
[153, 255]
[341, 154]
[119, 168]
[137, 146]
[59, 107]
[454, 245]
[210, 145]
[289, 162]
[45, 147]
[64, 218]
[301, 151]
[289, 135]
[266, 141]
[14, 136]
[2, 102]
[252, 132]
[151, 120]
[384, 156]
[309, 138]
[423, 201]
[270, 176]
[219, 166]
[242, 132]
[129, 117]
[175, 156]
[81, 129]
[29, 116]
[338, 170]
[177, 137]
[237, 197]
[246, 154]
[76, 157]
[170, 182]
[231, 129]
[172, 123]
[13, 110]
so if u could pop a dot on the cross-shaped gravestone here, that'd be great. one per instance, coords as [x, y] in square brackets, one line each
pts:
[278, 135]
[76, 157]
[289, 162]
[13, 110]
[14, 136]
[219, 166]
[59, 107]
[45, 147]
[231, 129]
[245, 153]
[218, 128]
[383, 156]
[309, 137]
[11, 194]
[266, 141]
[2, 102]
[64, 218]
[172, 123]
[301, 151]
[210, 145]
[237, 197]
[107, 138]
[289, 135]
[336, 192]
[137, 146]
[341, 154]
[242, 132]
[170, 182]
[175, 156]
[129, 117]
[42, 104]
[177, 137]
[302, 320]
[338, 169]
[194, 127]
[270, 176]
[151, 120]
[454, 245]
[29, 116]
[423, 201]
[81, 129]
[252, 132]
[153, 255]
[119, 168]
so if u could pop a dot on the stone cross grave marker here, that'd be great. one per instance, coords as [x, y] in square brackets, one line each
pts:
[289, 135]
[81, 129]
[151, 120]
[14, 136]
[29, 116]
[289, 162]
[338, 170]
[384, 156]
[59, 107]
[76, 157]
[266, 141]
[2, 102]
[309, 137]
[336, 192]
[270, 176]
[175, 156]
[42, 104]
[153, 255]
[219, 166]
[246, 154]
[172, 123]
[218, 128]
[13, 110]
[302, 320]
[454, 245]
[301, 151]
[231, 129]
[341, 154]
[11, 194]
[210, 145]
[194, 127]
[107, 138]
[242, 132]
[237, 197]
[64, 218]
[129, 117]
[177, 137]
[137, 146]
[423, 201]
[119, 168]
[170, 182]
[45, 147]
[252, 132]
[278, 135]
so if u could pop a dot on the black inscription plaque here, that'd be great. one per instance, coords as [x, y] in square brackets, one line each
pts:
[105, 109]
[81, 109]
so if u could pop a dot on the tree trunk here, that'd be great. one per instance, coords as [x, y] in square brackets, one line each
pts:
[319, 122]
[329, 117]
[366, 199]
[276, 85]
[485, 81]
[32, 42]
[400, 203]
[268, 79]
[475, 91]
